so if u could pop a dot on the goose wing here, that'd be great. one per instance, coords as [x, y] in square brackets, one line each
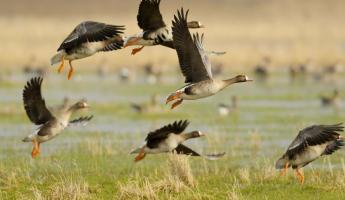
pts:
[34, 103]
[182, 149]
[314, 135]
[155, 137]
[81, 120]
[149, 17]
[193, 59]
[90, 31]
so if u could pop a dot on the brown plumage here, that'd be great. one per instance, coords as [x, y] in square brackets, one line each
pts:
[49, 125]
[169, 138]
[311, 143]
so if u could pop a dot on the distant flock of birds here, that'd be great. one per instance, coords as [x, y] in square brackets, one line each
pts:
[90, 37]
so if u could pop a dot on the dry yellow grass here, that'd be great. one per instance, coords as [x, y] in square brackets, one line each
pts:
[290, 31]
[178, 178]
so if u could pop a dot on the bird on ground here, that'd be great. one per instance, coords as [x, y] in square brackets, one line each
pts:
[49, 125]
[311, 143]
[334, 99]
[152, 106]
[169, 138]
[86, 39]
[226, 109]
[155, 31]
[195, 65]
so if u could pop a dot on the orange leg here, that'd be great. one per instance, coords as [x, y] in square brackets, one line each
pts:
[174, 96]
[71, 70]
[141, 155]
[175, 104]
[62, 64]
[300, 176]
[36, 149]
[136, 50]
[286, 167]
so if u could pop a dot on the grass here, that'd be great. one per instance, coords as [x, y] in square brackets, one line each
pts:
[92, 162]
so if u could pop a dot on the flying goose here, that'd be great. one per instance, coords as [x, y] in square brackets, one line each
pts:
[311, 143]
[155, 31]
[169, 138]
[195, 65]
[49, 125]
[86, 39]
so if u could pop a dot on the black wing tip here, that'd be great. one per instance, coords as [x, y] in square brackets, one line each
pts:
[34, 82]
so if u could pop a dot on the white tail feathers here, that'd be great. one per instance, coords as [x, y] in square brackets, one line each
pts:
[28, 139]
[56, 58]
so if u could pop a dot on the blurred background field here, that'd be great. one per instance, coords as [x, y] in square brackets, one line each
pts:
[294, 50]
[289, 30]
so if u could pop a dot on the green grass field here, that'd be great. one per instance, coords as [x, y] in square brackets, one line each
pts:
[93, 162]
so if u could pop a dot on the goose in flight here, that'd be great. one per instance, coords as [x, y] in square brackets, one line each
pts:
[195, 65]
[86, 39]
[50, 125]
[169, 138]
[155, 31]
[311, 143]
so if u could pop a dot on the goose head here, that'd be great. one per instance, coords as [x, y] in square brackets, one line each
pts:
[79, 105]
[242, 78]
[193, 134]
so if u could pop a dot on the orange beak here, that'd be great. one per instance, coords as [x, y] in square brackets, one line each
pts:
[174, 96]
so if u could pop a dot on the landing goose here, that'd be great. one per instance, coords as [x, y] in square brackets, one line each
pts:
[169, 138]
[155, 31]
[86, 39]
[195, 65]
[49, 125]
[311, 143]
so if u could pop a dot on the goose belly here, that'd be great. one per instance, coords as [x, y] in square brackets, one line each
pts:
[310, 154]
[85, 50]
[198, 91]
[162, 33]
[53, 132]
[168, 145]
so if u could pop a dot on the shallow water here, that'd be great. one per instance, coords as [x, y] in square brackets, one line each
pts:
[269, 114]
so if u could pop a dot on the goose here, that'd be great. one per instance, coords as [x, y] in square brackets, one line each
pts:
[334, 99]
[225, 110]
[311, 143]
[155, 31]
[152, 106]
[88, 38]
[49, 125]
[195, 65]
[169, 138]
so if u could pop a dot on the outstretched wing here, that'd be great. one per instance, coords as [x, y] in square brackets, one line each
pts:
[90, 31]
[193, 60]
[34, 103]
[314, 135]
[81, 120]
[182, 149]
[149, 17]
[153, 138]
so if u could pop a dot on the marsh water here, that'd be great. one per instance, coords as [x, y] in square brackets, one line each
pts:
[269, 114]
